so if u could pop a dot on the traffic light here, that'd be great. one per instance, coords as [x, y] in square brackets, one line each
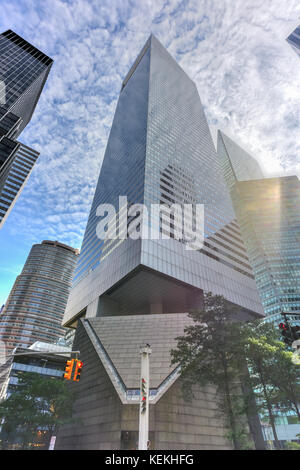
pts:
[285, 333]
[77, 372]
[68, 369]
[143, 396]
[289, 333]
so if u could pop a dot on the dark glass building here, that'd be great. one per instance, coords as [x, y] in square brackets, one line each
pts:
[23, 73]
[294, 40]
[14, 181]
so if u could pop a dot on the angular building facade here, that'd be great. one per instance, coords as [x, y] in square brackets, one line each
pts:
[15, 180]
[294, 40]
[237, 164]
[127, 291]
[268, 211]
[23, 73]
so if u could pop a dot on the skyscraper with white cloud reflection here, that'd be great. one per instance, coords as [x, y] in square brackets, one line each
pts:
[131, 291]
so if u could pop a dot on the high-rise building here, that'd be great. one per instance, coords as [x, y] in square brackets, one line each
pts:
[36, 304]
[237, 164]
[129, 292]
[160, 151]
[23, 73]
[268, 211]
[294, 40]
[16, 178]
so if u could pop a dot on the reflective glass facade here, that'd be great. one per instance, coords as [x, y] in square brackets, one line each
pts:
[268, 211]
[15, 179]
[269, 215]
[23, 73]
[160, 151]
[294, 40]
[36, 304]
[237, 164]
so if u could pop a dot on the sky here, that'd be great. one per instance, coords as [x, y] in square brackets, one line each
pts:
[246, 73]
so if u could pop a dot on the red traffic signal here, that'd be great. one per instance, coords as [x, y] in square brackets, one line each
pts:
[78, 369]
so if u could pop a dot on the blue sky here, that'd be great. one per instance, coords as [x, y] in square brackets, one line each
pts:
[235, 50]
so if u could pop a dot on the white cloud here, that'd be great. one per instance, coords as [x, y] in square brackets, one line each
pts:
[247, 77]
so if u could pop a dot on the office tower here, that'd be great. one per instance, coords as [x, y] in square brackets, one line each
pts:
[294, 40]
[15, 180]
[237, 164]
[129, 292]
[36, 304]
[23, 73]
[268, 211]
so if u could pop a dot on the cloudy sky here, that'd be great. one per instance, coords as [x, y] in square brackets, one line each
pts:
[235, 50]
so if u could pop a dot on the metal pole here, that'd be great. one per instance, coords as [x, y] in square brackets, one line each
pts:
[145, 352]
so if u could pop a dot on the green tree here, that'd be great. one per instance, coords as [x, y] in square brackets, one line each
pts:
[285, 375]
[260, 350]
[273, 377]
[212, 352]
[38, 402]
[292, 445]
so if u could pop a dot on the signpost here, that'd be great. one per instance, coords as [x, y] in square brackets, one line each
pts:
[145, 352]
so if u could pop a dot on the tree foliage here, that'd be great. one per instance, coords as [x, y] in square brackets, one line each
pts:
[211, 352]
[243, 361]
[37, 403]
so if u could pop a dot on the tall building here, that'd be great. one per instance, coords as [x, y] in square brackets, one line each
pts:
[268, 211]
[237, 164]
[127, 291]
[23, 73]
[36, 304]
[15, 180]
[294, 40]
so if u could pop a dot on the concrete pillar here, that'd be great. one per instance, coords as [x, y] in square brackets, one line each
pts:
[92, 309]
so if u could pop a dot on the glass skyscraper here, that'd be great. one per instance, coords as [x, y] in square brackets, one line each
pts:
[128, 292]
[15, 180]
[160, 151]
[237, 164]
[294, 40]
[23, 73]
[268, 211]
